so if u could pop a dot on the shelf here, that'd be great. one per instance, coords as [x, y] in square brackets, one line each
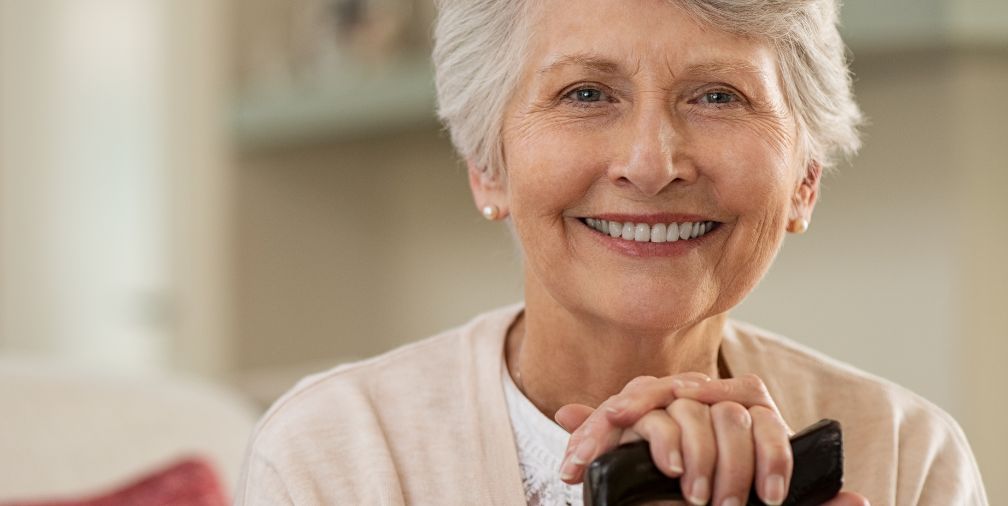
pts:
[354, 105]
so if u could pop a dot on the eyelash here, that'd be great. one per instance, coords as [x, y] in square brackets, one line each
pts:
[568, 96]
[735, 98]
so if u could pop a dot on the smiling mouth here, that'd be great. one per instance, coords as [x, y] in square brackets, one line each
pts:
[656, 233]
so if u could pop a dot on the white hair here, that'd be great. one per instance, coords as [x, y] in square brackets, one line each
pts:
[479, 48]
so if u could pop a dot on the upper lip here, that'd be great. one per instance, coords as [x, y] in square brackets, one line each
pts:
[650, 219]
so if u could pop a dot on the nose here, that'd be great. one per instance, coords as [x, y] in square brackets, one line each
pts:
[652, 157]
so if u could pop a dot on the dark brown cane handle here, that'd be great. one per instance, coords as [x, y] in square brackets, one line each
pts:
[627, 476]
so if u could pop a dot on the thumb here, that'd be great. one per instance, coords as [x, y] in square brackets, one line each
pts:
[571, 416]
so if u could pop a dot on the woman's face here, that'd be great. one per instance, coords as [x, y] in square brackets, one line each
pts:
[631, 112]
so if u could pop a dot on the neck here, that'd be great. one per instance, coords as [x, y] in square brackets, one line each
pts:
[557, 358]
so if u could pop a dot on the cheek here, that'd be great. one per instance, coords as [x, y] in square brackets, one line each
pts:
[751, 169]
[550, 172]
[752, 179]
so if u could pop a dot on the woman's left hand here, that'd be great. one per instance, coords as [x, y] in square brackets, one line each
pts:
[747, 436]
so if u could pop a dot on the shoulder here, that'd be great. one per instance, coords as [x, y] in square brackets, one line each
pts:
[355, 392]
[329, 428]
[824, 381]
[355, 422]
[899, 445]
[407, 374]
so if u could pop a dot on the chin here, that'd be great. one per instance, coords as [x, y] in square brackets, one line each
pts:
[652, 315]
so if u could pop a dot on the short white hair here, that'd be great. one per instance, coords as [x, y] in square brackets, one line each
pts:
[479, 51]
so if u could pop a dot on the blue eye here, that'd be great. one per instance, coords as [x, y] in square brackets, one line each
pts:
[719, 97]
[587, 95]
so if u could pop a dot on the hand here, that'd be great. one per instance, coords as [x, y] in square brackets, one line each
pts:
[698, 429]
[727, 426]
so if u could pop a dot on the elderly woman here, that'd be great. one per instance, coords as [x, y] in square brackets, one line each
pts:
[650, 156]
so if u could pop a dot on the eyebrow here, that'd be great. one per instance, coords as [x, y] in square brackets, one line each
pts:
[727, 67]
[607, 66]
[587, 61]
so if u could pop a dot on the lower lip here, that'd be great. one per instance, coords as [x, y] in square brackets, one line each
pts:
[649, 249]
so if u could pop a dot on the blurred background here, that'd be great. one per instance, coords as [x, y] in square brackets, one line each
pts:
[236, 194]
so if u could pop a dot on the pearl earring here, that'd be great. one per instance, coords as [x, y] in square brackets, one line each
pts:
[798, 226]
[491, 212]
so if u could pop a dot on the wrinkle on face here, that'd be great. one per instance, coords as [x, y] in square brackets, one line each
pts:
[561, 157]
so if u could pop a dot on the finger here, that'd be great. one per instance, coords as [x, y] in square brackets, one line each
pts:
[774, 460]
[699, 448]
[592, 438]
[572, 416]
[643, 395]
[597, 434]
[848, 499]
[629, 436]
[747, 390]
[735, 460]
[663, 436]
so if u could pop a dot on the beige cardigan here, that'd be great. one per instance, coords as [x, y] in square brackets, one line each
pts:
[428, 424]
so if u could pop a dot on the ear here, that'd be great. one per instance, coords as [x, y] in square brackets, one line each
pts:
[806, 193]
[488, 189]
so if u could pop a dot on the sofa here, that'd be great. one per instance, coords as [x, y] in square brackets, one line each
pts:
[77, 435]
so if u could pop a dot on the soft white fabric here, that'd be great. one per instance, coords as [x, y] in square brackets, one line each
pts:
[540, 443]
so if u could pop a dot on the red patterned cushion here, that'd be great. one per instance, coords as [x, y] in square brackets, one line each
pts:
[190, 482]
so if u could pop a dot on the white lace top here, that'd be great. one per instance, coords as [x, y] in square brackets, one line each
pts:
[541, 444]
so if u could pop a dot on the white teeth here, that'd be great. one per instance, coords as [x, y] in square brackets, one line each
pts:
[657, 233]
[615, 229]
[685, 229]
[673, 232]
[642, 232]
[628, 231]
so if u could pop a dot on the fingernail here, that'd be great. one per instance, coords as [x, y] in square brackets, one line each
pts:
[583, 452]
[731, 501]
[699, 492]
[774, 490]
[567, 471]
[557, 419]
[675, 462]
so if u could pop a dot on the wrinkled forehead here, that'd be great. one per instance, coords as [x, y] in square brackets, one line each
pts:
[628, 37]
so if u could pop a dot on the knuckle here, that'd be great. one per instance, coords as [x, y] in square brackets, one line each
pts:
[732, 414]
[688, 408]
[651, 424]
[753, 383]
[639, 381]
[778, 454]
[723, 388]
